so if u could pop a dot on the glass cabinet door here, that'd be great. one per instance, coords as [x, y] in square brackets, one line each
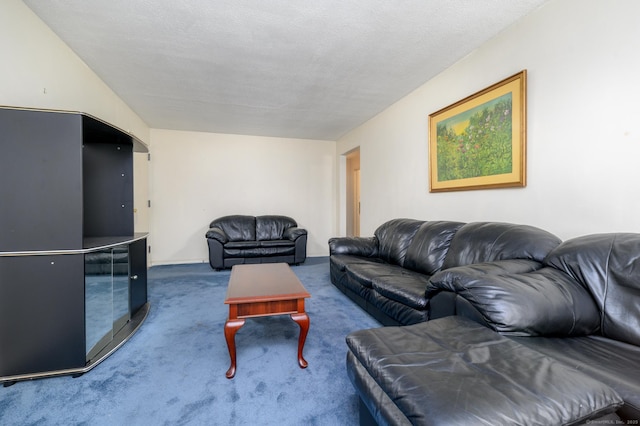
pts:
[98, 293]
[106, 296]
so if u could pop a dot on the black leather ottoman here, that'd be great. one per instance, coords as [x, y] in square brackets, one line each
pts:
[452, 371]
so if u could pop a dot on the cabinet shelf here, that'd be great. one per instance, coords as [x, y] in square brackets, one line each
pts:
[89, 245]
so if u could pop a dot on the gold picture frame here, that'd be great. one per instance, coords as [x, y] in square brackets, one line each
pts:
[480, 141]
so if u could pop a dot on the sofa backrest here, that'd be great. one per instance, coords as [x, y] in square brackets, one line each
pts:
[479, 242]
[237, 227]
[430, 245]
[272, 227]
[394, 238]
[608, 265]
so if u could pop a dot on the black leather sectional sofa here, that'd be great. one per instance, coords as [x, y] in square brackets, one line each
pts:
[548, 333]
[238, 239]
[387, 274]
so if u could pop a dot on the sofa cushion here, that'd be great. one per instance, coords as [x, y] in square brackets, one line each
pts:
[277, 243]
[340, 278]
[237, 227]
[609, 266]
[364, 272]
[258, 252]
[614, 363]
[272, 227]
[241, 245]
[454, 371]
[430, 245]
[395, 313]
[340, 261]
[394, 238]
[405, 287]
[488, 241]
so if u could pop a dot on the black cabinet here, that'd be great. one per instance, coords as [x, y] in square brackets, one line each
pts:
[138, 269]
[41, 181]
[73, 274]
[41, 313]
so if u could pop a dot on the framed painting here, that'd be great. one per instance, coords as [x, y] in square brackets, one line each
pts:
[480, 141]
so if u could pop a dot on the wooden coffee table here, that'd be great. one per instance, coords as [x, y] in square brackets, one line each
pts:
[264, 290]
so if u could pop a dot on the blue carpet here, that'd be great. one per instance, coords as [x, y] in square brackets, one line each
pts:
[172, 371]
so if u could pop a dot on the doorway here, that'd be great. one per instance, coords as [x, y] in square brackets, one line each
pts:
[353, 205]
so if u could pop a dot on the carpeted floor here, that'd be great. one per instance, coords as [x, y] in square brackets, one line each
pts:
[172, 371]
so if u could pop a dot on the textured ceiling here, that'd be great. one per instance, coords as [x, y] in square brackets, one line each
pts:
[287, 68]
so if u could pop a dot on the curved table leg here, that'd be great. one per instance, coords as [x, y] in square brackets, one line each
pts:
[302, 319]
[230, 329]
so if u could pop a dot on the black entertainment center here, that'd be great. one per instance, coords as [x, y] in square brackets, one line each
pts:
[73, 273]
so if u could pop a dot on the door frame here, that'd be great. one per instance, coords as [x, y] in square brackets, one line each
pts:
[350, 192]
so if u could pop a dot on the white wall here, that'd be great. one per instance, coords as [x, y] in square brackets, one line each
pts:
[583, 127]
[197, 177]
[583, 136]
[39, 71]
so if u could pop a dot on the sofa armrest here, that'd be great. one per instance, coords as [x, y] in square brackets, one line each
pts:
[500, 267]
[444, 302]
[358, 246]
[543, 302]
[293, 233]
[217, 234]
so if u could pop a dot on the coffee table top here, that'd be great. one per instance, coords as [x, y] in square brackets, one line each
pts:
[262, 283]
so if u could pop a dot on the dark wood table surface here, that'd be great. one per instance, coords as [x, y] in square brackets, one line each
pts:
[264, 290]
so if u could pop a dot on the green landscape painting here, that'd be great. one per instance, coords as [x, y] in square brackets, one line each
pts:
[477, 142]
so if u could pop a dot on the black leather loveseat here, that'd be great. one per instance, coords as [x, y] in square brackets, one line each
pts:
[241, 239]
[555, 344]
[387, 274]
